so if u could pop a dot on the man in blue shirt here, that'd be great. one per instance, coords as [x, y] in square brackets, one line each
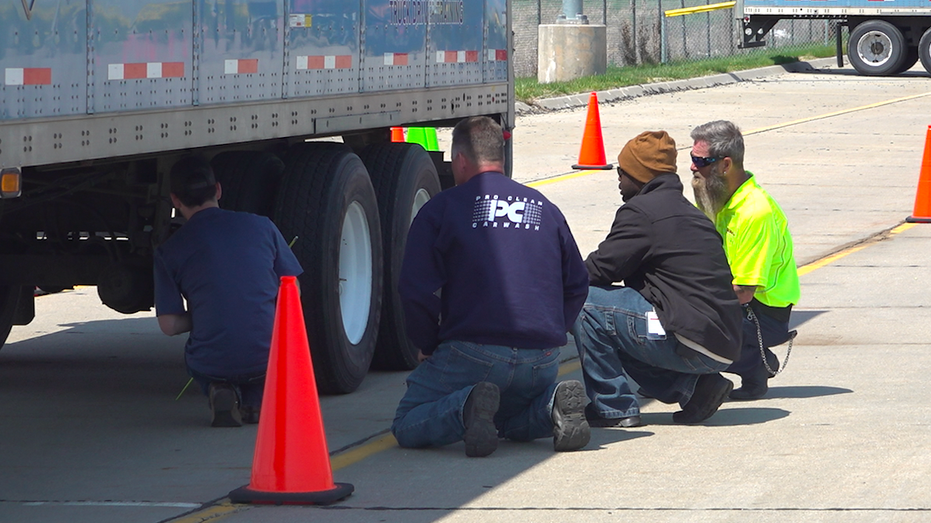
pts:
[491, 282]
[227, 266]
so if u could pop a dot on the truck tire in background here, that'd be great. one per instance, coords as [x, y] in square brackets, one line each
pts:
[924, 50]
[327, 202]
[876, 48]
[249, 180]
[9, 300]
[404, 178]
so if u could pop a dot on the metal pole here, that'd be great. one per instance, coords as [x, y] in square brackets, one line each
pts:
[662, 34]
[571, 9]
[634, 39]
[840, 45]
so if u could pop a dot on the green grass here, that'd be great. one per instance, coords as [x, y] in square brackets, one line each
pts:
[528, 89]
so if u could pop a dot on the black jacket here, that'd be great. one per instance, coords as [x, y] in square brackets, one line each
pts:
[669, 251]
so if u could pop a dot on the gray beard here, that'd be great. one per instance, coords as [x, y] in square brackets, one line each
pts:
[710, 194]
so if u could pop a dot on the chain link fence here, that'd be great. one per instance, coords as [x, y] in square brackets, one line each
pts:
[636, 34]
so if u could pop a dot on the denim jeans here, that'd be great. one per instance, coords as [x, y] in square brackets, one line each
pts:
[430, 413]
[249, 388]
[773, 331]
[612, 338]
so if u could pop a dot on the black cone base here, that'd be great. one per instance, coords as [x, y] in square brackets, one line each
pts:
[323, 497]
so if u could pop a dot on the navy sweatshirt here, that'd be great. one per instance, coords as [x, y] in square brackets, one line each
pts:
[506, 266]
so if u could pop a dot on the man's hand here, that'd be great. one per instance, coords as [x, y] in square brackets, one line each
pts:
[421, 357]
[744, 293]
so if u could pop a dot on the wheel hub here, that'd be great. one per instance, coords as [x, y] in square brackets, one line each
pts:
[875, 48]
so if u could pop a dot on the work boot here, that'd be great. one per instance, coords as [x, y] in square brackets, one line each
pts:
[755, 383]
[570, 428]
[710, 392]
[481, 436]
[224, 405]
[250, 414]
[596, 420]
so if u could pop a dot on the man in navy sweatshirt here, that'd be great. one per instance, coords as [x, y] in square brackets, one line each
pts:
[491, 282]
[676, 322]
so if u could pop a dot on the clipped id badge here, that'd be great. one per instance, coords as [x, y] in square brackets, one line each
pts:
[654, 327]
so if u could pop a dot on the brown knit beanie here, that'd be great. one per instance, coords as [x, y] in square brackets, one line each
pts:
[649, 155]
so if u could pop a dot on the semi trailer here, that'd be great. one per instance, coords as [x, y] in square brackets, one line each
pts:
[292, 101]
[886, 37]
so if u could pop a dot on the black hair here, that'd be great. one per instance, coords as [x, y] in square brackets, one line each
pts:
[193, 181]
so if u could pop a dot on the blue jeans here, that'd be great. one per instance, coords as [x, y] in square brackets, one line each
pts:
[612, 338]
[773, 331]
[430, 413]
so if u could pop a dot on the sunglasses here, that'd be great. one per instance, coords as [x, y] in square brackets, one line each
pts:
[703, 162]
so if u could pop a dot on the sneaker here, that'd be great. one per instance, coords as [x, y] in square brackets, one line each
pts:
[596, 420]
[710, 392]
[224, 405]
[481, 436]
[570, 428]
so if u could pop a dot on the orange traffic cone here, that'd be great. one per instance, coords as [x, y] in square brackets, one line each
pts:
[397, 134]
[592, 155]
[291, 464]
[922, 212]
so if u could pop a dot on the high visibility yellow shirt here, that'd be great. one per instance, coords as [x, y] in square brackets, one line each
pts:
[758, 245]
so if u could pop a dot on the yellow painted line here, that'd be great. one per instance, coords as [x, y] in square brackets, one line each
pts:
[562, 178]
[805, 269]
[569, 366]
[837, 113]
[211, 513]
[699, 9]
[359, 453]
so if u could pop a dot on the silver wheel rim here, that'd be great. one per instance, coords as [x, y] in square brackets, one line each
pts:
[355, 272]
[421, 197]
[874, 48]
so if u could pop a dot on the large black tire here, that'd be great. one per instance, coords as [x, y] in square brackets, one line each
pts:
[911, 58]
[249, 180]
[326, 200]
[404, 178]
[924, 50]
[876, 48]
[9, 300]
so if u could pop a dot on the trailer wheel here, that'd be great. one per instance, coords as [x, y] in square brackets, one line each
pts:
[405, 179]
[876, 48]
[249, 180]
[9, 301]
[924, 50]
[911, 58]
[327, 202]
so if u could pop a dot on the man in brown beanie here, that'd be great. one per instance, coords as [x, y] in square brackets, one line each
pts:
[676, 322]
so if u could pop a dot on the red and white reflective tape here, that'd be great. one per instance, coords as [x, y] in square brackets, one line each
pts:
[396, 59]
[145, 70]
[243, 66]
[28, 76]
[456, 57]
[497, 55]
[324, 62]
